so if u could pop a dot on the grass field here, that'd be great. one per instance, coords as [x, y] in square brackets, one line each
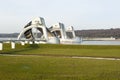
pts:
[65, 50]
[59, 68]
[52, 68]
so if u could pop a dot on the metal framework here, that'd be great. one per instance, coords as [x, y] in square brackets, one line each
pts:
[39, 25]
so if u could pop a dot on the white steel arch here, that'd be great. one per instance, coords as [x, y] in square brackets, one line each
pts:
[30, 27]
[39, 24]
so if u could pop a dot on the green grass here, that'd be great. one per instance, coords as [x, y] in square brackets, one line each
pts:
[65, 50]
[57, 68]
[53, 67]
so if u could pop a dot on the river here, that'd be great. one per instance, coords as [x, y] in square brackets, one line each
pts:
[114, 42]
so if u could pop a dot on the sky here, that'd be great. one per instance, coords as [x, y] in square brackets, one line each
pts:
[81, 14]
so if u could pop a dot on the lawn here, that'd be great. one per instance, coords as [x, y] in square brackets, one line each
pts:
[45, 62]
[65, 50]
[57, 68]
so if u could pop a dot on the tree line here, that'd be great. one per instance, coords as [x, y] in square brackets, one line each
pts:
[98, 33]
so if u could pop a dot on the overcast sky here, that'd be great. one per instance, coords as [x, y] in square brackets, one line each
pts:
[82, 14]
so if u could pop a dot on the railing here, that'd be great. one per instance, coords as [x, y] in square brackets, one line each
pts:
[23, 42]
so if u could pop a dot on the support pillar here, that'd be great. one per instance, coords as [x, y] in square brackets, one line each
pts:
[1, 46]
[26, 42]
[22, 43]
[37, 42]
[30, 42]
[13, 45]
